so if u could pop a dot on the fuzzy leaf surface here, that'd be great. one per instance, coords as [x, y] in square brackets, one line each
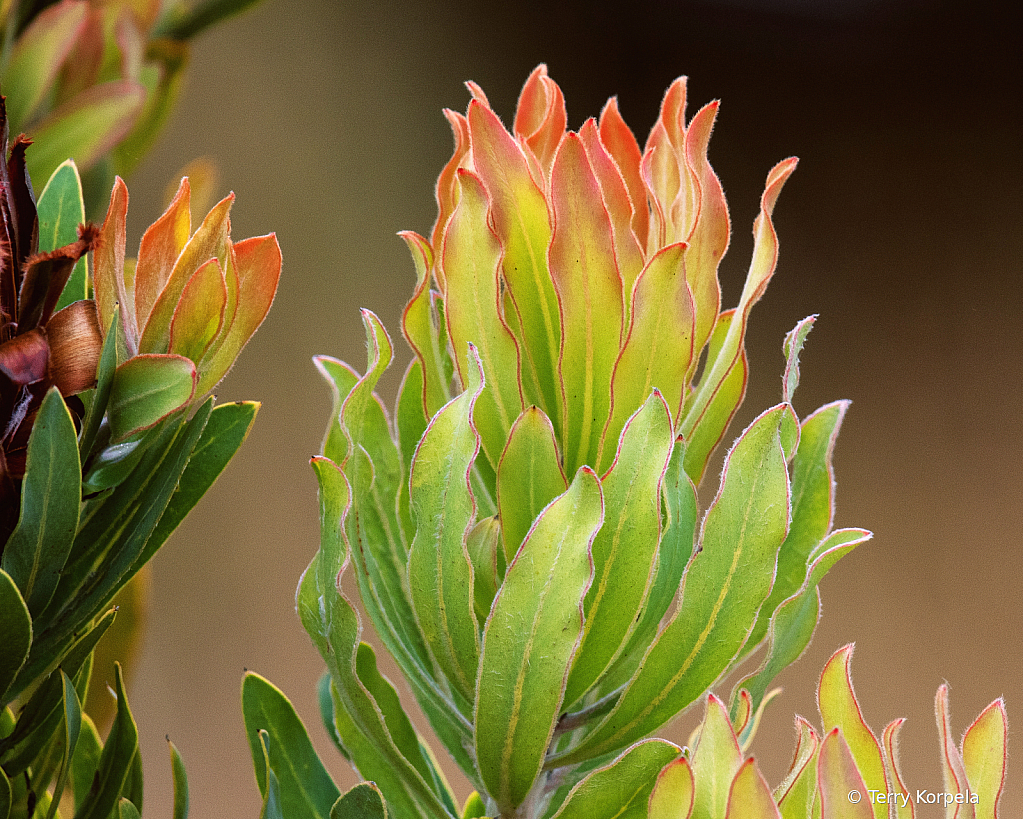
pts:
[530, 639]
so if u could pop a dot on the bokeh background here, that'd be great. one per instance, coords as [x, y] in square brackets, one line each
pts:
[901, 228]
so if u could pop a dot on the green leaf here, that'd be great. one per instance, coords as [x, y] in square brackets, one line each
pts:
[672, 794]
[306, 789]
[440, 574]
[750, 798]
[334, 626]
[85, 761]
[794, 620]
[16, 626]
[127, 810]
[51, 494]
[38, 721]
[837, 777]
[113, 775]
[659, 347]
[625, 549]
[813, 508]
[180, 778]
[530, 639]
[228, 427]
[364, 801]
[520, 218]
[341, 378]
[704, 432]
[398, 724]
[71, 728]
[113, 540]
[725, 584]
[474, 808]
[410, 418]
[146, 389]
[6, 797]
[796, 792]
[61, 210]
[488, 565]
[984, 758]
[471, 262]
[792, 347]
[839, 709]
[272, 808]
[326, 702]
[101, 394]
[622, 789]
[673, 554]
[529, 476]
[424, 328]
[902, 805]
[85, 127]
[585, 273]
[715, 762]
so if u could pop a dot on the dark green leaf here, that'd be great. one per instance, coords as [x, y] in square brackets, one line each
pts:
[70, 729]
[126, 810]
[114, 772]
[6, 797]
[101, 394]
[51, 494]
[61, 210]
[225, 432]
[271, 790]
[16, 626]
[85, 761]
[306, 789]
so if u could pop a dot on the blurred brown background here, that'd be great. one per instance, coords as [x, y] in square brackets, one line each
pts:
[901, 228]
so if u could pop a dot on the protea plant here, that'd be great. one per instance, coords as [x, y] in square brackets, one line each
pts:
[526, 534]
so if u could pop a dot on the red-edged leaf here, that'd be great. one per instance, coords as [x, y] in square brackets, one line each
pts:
[540, 118]
[984, 758]
[161, 245]
[621, 144]
[749, 797]
[521, 222]
[672, 796]
[952, 769]
[471, 263]
[447, 186]
[838, 779]
[200, 312]
[108, 267]
[902, 807]
[209, 242]
[589, 290]
[662, 166]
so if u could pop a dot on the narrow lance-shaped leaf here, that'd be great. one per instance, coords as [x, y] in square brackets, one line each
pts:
[61, 210]
[952, 769]
[795, 794]
[589, 289]
[984, 758]
[903, 806]
[16, 626]
[70, 728]
[813, 507]
[471, 260]
[529, 477]
[529, 640]
[622, 789]
[522, 225]
[440, 574]
[625, 549]
[180, 779]
[794, 620]
[50, 497]
[724, 586]
[839, 709]
[659, 346]
[306, 789]
[765, 257]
